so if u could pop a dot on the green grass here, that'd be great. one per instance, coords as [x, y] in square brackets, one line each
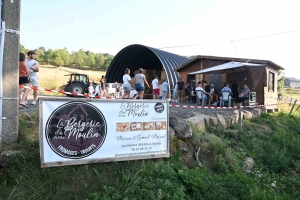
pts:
[272, 140]
[291, 93]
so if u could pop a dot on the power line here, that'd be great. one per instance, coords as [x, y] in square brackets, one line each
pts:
[266, 35]
[251, 38]
[189, 45]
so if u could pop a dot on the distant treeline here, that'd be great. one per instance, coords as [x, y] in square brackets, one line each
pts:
[80, 59]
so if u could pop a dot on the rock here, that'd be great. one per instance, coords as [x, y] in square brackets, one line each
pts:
[234, 119]
[198, 121]
[248, 164]
[171, 133]
[182, 146]
[256, 112]
[236, 112]
[228, 122]
[206, 121]
[264, 109]
[181, 127]
[8, 153]
[222, 121]
[213, 121]
[247, 114]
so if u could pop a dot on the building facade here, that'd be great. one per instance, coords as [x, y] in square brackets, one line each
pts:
[266, 88]
[291, 82]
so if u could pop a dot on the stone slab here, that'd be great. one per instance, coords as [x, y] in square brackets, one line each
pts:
[221, 120]
[198, 121]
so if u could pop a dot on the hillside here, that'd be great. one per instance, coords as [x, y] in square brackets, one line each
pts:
[271, 140]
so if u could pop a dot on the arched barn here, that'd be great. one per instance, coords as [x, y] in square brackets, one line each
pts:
[153, 61]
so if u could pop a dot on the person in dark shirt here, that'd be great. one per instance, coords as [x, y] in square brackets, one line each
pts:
[194, 95]
[235, 89]
[206, 86]
[180, 90]
[187, 92]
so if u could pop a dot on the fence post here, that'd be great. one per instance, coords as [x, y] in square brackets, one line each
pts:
[292, 108]
[290, 102]
[240, 124]
[298, 107]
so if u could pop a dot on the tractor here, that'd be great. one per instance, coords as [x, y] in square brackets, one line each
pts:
[78, 83]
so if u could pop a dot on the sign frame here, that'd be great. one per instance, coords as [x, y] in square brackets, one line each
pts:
[87, 160]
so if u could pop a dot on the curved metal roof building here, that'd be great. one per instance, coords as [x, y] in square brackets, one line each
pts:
[138, 56]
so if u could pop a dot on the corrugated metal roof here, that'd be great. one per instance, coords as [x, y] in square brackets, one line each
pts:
[292, 79]
[139, 56]
[229, 59]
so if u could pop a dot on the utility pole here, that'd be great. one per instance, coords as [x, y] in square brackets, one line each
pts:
[9, 70]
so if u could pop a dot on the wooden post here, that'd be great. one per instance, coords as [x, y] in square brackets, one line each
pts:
[240, 124]
[292, 108]
[290, 102]
[298, 107]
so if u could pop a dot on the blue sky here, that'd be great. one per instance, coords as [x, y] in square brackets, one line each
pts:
[108, 26]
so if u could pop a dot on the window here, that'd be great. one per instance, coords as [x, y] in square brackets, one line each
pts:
[199, 77]
[271, 82]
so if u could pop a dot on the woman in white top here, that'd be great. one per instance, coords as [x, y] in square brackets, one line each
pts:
[140, 79]
[126, 84]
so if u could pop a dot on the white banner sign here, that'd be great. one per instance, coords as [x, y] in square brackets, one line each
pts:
[91, 131]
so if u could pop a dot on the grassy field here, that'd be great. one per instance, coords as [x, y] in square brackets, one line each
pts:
[54, 78]
[272, 140]
[291, 93]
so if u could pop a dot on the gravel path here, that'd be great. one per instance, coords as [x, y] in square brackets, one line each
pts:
[180, 112]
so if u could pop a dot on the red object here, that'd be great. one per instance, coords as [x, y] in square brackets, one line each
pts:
[156, 91]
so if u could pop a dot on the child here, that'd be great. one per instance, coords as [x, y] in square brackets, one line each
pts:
[91, 89]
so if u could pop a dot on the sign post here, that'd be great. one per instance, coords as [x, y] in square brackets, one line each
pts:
[85, 131]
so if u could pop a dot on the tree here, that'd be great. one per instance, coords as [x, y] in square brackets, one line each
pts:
[22, 49]
[107, 62]
[40, 55]
[281, 78]
[99, 61]
[48, 56]
[65, 56]
[90, 60]
[78, 59]
[56, 59]
[61, 57]
[191, 57]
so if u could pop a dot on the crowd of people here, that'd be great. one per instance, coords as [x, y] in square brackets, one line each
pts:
[185, 93]
[122, 90]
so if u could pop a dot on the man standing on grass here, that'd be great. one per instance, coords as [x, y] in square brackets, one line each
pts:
[155, 86]
[33, 66]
